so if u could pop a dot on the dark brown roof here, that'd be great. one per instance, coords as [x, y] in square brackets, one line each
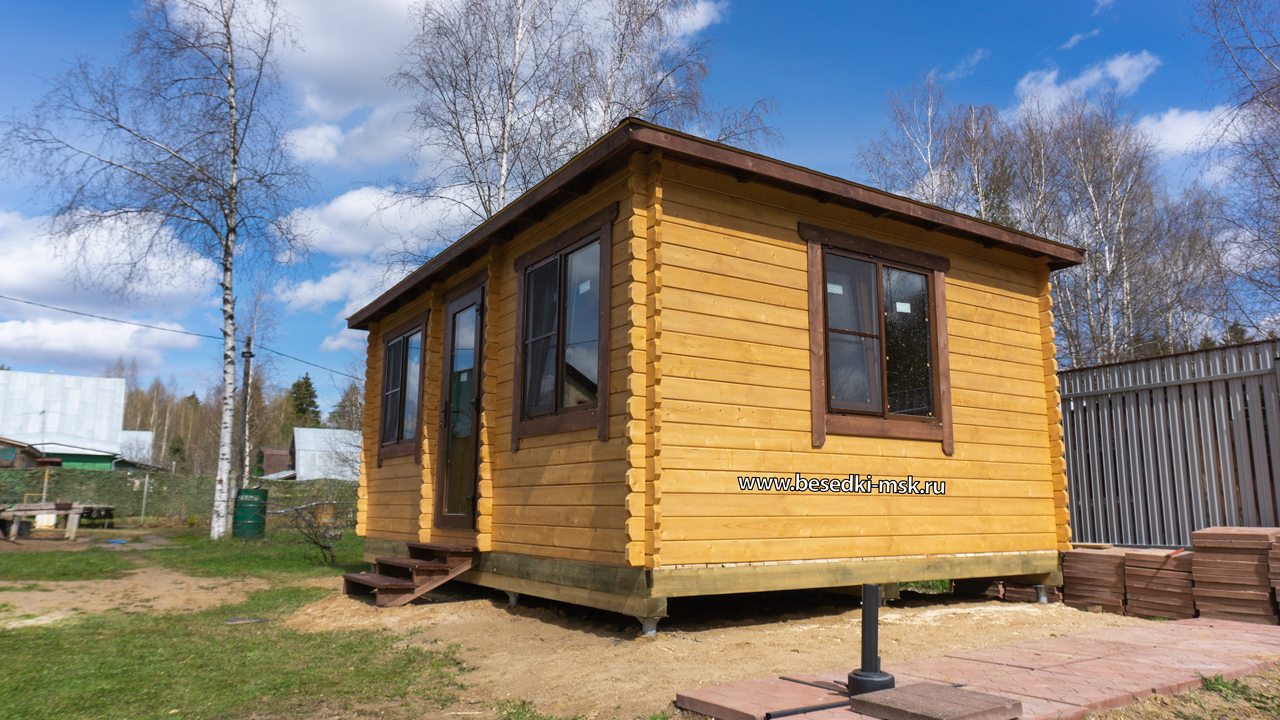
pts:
[612, 151]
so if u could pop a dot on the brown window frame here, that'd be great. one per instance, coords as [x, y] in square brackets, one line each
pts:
[827, 422]
[596, 227]
[410, 445]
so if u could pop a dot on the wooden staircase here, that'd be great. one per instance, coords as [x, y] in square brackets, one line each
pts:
[397, 581]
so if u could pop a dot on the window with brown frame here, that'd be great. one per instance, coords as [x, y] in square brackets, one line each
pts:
[878, 360]
[562, 332]
[402, 389]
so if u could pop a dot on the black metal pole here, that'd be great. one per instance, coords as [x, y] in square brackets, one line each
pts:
[870, 678]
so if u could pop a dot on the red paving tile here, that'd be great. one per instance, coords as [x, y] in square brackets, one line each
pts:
[1059, 678]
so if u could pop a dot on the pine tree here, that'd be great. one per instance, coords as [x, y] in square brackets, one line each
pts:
[302, 401]
[348, 414]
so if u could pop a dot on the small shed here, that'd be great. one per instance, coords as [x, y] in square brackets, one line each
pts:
[324, 453]
[677, 368]
[77, 419]
[14, 454]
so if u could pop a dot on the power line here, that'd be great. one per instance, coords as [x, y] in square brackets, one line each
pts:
[171, 330]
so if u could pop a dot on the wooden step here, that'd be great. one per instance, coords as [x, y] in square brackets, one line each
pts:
[442, 547]
[378, 582]
[394, 591]
[413, 564]
[419, 571]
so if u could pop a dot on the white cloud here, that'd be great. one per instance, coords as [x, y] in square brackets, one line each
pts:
[1130, 71]
[1125, 73]
[1079, 38]
[1100, 5]
[360, 223]
[346, 340]
[88, 345]
[354, 283]
[36, 269]
[382, 137]
[315, 143]
[704, 14]
[349, 50]
[966, 66]
[1176, 131]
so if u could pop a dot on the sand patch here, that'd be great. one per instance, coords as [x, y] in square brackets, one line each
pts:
[149, 589]
[575, 661]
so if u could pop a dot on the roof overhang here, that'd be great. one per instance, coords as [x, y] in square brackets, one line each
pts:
[611, 152]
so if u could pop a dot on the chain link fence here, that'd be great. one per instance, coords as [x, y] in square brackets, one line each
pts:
[169, 498]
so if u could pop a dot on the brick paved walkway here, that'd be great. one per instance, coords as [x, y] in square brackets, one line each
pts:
[1057, 678]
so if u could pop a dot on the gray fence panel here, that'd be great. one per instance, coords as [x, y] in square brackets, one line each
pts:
[1159, 448]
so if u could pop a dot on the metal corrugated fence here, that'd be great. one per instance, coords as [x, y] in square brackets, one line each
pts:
[1158, 448]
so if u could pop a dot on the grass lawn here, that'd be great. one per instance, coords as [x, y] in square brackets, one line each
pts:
[281, 555]
[91, 564]
[173, 665]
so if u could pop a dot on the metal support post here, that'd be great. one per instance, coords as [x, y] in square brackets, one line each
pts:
[870, 677]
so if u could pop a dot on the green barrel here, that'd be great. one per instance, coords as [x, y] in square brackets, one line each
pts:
[250, 518]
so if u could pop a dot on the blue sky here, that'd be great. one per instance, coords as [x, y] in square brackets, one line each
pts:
[827, 64]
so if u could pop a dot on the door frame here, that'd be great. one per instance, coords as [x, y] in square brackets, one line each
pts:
[469, 291]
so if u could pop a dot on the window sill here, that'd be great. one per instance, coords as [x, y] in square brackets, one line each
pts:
[565, 422]
[885, 428]
[400, 449]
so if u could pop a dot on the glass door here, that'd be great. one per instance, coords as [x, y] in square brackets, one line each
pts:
[460, 413]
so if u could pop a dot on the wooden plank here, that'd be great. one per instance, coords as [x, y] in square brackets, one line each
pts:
[751, 352]
[780, 549]
[734, 329]
[727, 371]
[679, 582]
[562, 538]
[708, 503]
[717, 459]
[677, 528]
[583, 517]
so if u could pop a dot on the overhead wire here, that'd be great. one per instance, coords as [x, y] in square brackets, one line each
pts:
[171, 330]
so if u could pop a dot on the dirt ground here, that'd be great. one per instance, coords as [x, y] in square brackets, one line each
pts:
[142, 590]
[575, 661]
[1260, 701]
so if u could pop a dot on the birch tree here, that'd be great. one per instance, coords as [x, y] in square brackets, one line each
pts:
[915, 153]
[507, 91]
[1244, 47]
[175, 150]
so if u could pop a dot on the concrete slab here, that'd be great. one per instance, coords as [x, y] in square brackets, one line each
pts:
[931, 701]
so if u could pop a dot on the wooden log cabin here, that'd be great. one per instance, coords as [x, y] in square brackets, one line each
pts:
[677, 368]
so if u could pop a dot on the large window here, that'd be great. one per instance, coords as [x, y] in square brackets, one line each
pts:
[878, 336]
[402, 389]
[562, 332]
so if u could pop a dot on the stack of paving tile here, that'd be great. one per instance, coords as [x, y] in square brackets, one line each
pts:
[1232, 573]
[1273, 561]
[1094, 578]
[1021, 592]
[1158, 584]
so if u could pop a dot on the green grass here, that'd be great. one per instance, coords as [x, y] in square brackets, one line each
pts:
[930, 587]
[91, 564]
[524, 710]
[140, 666]
[30, 587]
[280, 555]
[1236, 690]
